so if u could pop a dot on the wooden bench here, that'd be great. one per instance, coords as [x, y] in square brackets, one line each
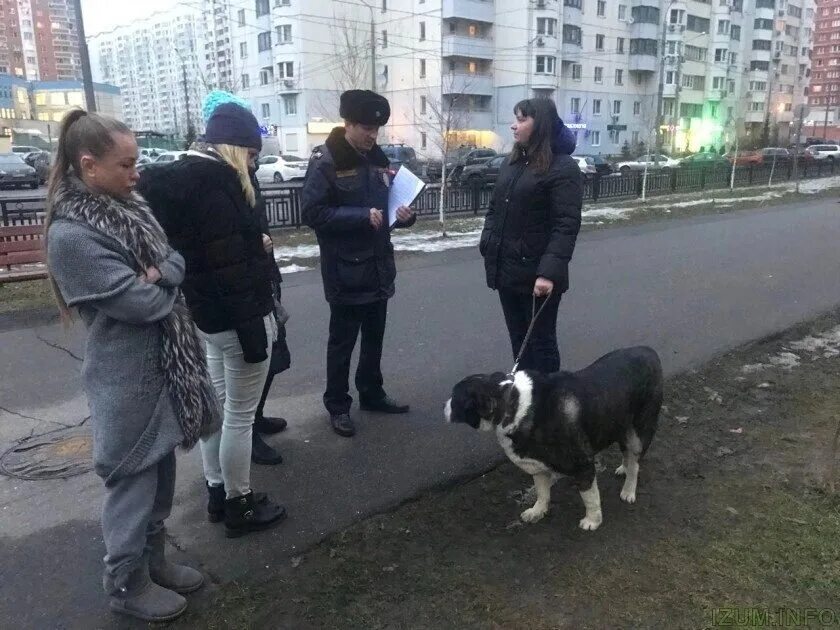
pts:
[22, 245]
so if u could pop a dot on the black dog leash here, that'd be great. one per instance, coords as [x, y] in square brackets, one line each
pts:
[534, 316]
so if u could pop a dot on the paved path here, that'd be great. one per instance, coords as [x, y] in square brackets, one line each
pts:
[690, 288]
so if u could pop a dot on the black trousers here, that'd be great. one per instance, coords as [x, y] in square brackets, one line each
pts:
[542, 353]
[345, 324]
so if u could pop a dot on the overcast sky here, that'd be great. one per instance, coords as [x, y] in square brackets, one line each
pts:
[103, 15]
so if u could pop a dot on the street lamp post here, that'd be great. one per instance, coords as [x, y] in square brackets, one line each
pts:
[372, 46]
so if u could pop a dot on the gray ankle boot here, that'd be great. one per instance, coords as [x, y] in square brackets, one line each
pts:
[137, 596]
[175, 577]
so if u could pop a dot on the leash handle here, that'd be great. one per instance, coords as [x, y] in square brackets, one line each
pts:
[535, 314]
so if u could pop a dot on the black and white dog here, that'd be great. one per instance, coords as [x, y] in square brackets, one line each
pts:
[554, 424]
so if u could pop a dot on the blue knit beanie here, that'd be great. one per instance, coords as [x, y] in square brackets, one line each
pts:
[233, 124]
[219, 97]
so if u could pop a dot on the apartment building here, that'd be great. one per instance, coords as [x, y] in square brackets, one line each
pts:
[155, 64]
[39, 41]
[455, 69]
[824, 95]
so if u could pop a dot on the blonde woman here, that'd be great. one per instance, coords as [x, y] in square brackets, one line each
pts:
[205, 204]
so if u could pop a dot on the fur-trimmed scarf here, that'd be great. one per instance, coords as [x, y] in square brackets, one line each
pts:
[131, 223]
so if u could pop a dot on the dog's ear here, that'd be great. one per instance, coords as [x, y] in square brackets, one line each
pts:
[486, 405]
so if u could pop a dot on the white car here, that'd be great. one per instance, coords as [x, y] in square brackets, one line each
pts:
[586, 166]
[661, 162]
[169, 156]
[275, 169]
[824, 151]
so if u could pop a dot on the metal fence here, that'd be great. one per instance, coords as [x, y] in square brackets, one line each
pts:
[283, 201]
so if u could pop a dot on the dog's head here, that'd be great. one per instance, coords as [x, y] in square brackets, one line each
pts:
[478, 401]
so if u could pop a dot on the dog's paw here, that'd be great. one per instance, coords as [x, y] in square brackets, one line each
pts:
[590, 523]
[628, 497]
[532, 515]
[620, 471]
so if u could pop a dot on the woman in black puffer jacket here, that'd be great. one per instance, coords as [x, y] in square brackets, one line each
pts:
[531, 228]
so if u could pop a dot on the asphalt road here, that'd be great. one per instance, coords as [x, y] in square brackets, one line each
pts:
[690, 288]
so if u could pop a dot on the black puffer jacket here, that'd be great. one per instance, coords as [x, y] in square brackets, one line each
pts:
[532, 225]
[341, 186]
[200, 204]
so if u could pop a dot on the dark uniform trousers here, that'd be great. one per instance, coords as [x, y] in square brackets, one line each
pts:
[345, 323]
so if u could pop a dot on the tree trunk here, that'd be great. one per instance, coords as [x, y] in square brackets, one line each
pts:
[441, 201]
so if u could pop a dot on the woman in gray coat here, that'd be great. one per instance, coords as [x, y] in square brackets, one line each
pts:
[144, 372]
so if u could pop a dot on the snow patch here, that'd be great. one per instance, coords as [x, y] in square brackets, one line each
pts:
[298, 251]
[822, 346]
[433, 242]
[294, 269]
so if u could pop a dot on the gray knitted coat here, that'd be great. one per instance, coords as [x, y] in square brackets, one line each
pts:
[134, 415]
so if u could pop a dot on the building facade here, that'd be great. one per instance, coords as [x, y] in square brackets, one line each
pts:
[155, 63]
[51, 100]
[824, 95]
[455, 69]
[39, 40]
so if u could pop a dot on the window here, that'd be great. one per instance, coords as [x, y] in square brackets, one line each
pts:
[284, 34]
[472, 30]
[670, 77]
[619, 45]
[735, 33]
[693, 81]
[265, 109]
[577, 71]
[695, 53]
[622, 11]
[596, 107]
[765, 4]
[423, 68]
[596, 138]
[384, 39]
[668, 107]
[758, 86]
[619, 77]
[243, 49]
[384, 5]
[571, 34]
[240, 17]
[472, 67]
[422, 104]
[290, 104]
[761, 66]
[285, 70]
[720, 55]
[761, 44]
[245, 81]
[545, 64]
[422, 31]
[637, 108]
[733, 58]
[676, 16]
[602, 8]
[766, 25]
[644, 14]
[546, 26]
[264, 41]
[423, 141]
[642, 46]
[697, 24]
[599, 74]
[599, 42]
[615, 136]
[262, 8]
[266, 75]
[575, 106]
[691, 110]
[718, 83]
[616, 108]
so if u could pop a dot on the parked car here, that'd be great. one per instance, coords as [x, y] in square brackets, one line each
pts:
[824, 151]
[744, 158]
[777, 154]
[24, 149]
[400, 155]
[277, 169]
[169, 156]
[151, 152]
[586, 165]
[462, 157]
[483, 173]
[16, 173]
[41, 161]
[707, 159]
[659, 162]
[602, 166]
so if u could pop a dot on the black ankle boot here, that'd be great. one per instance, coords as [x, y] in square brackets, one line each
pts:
[216, 502]
[243, 515]
[262, 453]
[269, 424]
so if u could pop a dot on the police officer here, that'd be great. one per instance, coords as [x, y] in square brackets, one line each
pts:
[345, 200]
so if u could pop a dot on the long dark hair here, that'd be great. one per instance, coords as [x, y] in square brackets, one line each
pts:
[80, 133]
[538, 150]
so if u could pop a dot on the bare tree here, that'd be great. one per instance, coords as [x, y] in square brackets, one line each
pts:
[446, 110]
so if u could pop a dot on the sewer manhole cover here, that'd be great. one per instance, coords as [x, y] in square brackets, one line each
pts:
[56, 455]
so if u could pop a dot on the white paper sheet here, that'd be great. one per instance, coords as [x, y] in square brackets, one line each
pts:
[404, 190]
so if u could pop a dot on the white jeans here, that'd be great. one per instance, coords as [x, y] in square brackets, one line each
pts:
[227, 453]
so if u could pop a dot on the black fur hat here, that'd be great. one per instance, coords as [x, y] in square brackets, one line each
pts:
[365, 107]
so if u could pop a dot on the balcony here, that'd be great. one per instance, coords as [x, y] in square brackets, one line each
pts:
[472, 118]
[644, 63]
[645, 30]
[572, 14]
[754, 117]
[464, 46]
[464, 83]
[476, 10]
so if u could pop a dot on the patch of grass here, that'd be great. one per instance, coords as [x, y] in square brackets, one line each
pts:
[21, 296]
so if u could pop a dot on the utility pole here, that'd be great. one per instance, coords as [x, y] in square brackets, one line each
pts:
[660, 95]
[677, 91]
[87, 78]
[372, 46]
[190, 129]
[801, 108]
